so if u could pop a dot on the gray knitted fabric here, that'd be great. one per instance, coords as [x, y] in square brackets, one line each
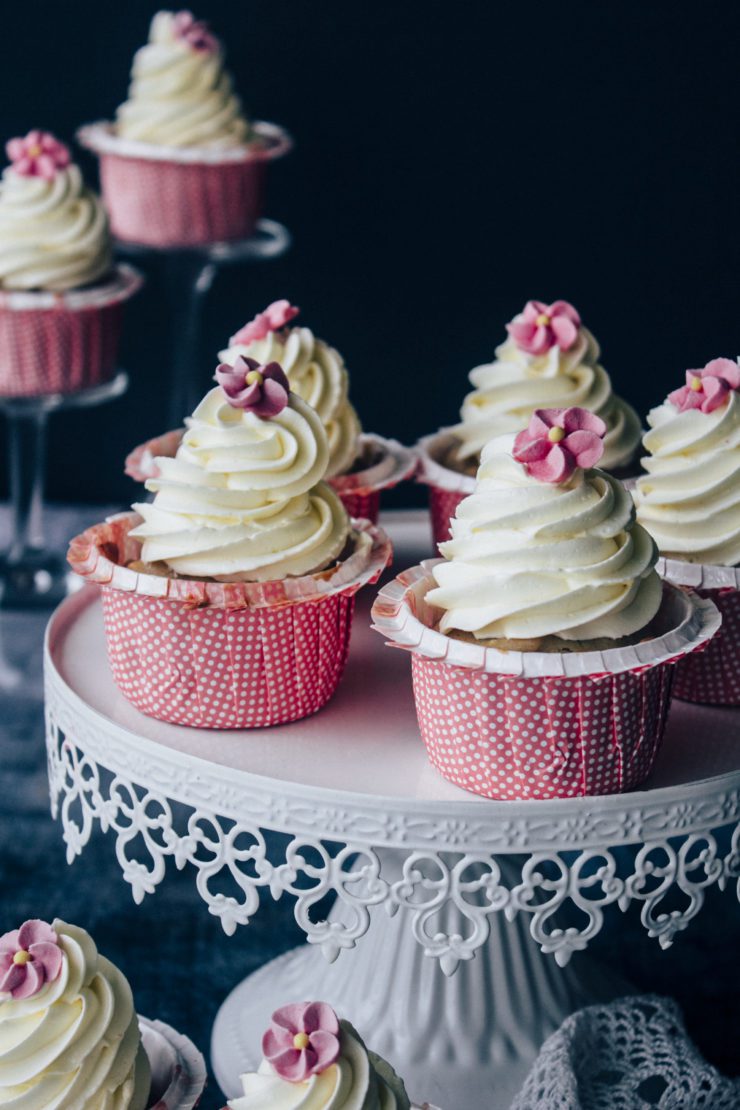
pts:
[632, 1054]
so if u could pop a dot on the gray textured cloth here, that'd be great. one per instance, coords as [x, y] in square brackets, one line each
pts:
[632, 1054]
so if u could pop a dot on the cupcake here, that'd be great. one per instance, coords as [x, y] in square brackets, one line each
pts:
[70, 1032]
[312, 1058]
[689, 499]
[541, 641]
[61, 297]
[549, 360]
[228, 599]
[181, 166]
[360, 465]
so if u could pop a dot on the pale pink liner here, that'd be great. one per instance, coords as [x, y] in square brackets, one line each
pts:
[188, 1068]
[360, 492]
[97, 554]
[62, 342]
[447, 488]
[161, 196]
[713, 677]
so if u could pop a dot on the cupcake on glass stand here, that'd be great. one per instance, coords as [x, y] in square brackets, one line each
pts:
[549, 360]
[313, 1058]
[543, 642]
[228, 599]
[361, 465]
[61, 308]
[689, 499]
[71, 1034]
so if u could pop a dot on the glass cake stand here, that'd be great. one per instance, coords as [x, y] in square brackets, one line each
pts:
[446, 942]
[31, 575]
[189, 274]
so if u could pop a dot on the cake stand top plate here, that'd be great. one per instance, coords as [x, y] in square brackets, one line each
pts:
[358, 768]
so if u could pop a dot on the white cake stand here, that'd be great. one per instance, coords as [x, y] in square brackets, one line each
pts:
[427, 880]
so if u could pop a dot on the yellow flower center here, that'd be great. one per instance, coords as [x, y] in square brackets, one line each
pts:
[696, 385]
[254, 378]
[542, 320]
[34, 151]
[556, 434]
[21, 958]
[301, 1041]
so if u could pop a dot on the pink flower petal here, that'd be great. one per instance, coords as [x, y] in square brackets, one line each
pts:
[326, 1047]
[585, 447]
[276, 1040]
[564, 310]
[555, 468]
[319, 1015]
[33, 981]
[565, 331]
[34, 932]
[9, 942]
[542, 420]
[575, 419]
[715, 392]
[12, 978]
[48, 957]
[521, 331]
[527, 449]
[724, 368]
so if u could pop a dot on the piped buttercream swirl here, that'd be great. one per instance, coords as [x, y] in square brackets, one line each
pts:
[180, 96]
[528, 559]
[507, 390]
[689, 500]
[359, 1080]
[243, 500]
[75, 1044]
[318, 374]
[53, 232]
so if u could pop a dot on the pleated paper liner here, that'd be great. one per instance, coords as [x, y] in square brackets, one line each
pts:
[178, 1068]
[447, 488]
[522, 725]
[360, 491]
[713, 677]
[161, 196]
[234, 655]
[62, 342]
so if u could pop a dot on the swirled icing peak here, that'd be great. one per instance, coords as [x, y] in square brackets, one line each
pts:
[558, 441]
[313, 1061]
[39, 154]
[243, 499]
[689, 497]
[53, 229]
[530, 559]
[180, 94]
[72, 1042]
[549, 360]
[315, 370]
[29, 957]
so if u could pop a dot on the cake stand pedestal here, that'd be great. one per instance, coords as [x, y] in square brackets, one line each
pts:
[454, 918]
[30, 574]
[189, 274]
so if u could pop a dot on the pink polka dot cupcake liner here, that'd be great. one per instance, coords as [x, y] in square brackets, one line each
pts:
[183, 197]
[62, 342]
[447, 488]
[360, 492]
[524, 725]
[225, 654]
[713, 677]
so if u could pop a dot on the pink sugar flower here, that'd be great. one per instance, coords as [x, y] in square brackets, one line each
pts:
[707, 389]
[303, 1040]
[40, 154]
[542, 326]
[559, 440]
[29, 957]
[275, 316]
[195, 33]
[263, 390]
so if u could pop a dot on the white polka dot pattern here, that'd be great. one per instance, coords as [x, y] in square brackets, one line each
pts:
[214, 667]
[509, 737]
[712, 676]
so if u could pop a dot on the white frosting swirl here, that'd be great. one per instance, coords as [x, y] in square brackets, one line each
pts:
[529, 559]
[75, 1045]
[689, 500]
[53, 234]
[509, 389]
[243, 500]
[317, 373]
[180, 96]
[359, 1080]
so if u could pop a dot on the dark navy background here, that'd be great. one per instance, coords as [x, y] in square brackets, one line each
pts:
[452, 161]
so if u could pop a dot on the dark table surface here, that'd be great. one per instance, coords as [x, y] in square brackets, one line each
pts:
[180, 963]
